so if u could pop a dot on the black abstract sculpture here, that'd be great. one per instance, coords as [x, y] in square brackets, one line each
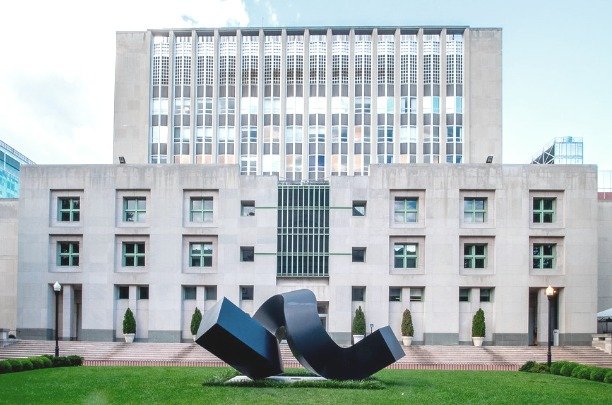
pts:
[250, 345]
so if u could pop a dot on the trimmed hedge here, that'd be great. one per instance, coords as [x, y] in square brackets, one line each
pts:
[38, 362]
[570, 369]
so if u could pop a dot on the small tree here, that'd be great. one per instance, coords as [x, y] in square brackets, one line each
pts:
[478, 324]
[129, 323]
[196, 318]
[407, 328]
[359, 325]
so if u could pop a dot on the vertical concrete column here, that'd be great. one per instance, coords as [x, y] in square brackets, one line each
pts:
[67, 311]
[132, 299]
[200, 298]
[542, 316]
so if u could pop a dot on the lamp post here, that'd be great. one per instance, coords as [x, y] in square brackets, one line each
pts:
[57, 287]
[371, 327]
[550, 292]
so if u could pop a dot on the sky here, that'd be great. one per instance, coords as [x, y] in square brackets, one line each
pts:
[57, 63]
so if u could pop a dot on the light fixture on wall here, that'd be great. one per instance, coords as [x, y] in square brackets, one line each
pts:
[490, 159]
[122, 160]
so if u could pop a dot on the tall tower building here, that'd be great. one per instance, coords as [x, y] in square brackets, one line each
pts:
[308, 103]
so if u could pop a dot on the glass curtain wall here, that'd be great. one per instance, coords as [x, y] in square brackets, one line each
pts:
[160, 76]
[431, 98]
[204, 100]
[271, 105]
[363, 102]
[294, 130]
[249, 105]
[454, 98]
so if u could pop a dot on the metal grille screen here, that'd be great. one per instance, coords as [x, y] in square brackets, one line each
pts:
[303, 230]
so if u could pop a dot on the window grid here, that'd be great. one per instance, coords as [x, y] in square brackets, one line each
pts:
[475, 210]
[405, 255]
[200, 254]
[67, 254]
[406, 209]
[201, 209]
[69, 209]
[474, 256]
[133, 254]
[134, 209]
[544, 255]
[544, 210]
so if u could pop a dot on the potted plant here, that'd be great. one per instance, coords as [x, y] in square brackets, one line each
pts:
[407, 328]
[359, 325]
[129, 326]
[478, 327]
[196, 318]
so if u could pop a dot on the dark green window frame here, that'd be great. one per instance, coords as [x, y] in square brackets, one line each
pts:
[134, 209]
[201, 209]
[475, 256]
[544, 210]
[544, 255]
[68, 209]
[475, 209]
[405, 255]
[67, 254]
[406, 210]
[133, 254]
[200, 254]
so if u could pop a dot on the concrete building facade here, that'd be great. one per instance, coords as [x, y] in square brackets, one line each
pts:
[308, 103]
[8, 263]
[442, 240]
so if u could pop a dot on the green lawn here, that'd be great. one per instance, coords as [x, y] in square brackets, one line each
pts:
[144, 385]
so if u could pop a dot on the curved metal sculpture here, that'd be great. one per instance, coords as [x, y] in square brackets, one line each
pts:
[245, 343]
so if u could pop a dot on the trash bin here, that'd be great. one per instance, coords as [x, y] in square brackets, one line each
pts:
[555, 337]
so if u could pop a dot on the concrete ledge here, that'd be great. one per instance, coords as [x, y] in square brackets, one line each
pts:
[510, 339]
[98, 335]
[35, 334]
[575, 339]
[164, 336]
[449, 339]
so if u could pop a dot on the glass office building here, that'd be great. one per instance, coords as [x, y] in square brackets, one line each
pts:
[10, 165]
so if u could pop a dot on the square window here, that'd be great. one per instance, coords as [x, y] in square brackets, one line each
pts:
[210, 293]
[486, 294]
[134, 209]
[464, 295]
[544, 210]
[67, 254]
[143, 292]
[474, 256]
[359, 255]
[68, 209]
[405, 255]
[123, 292]
[358, 294]
[544, 255]
[406, 209]
[475, 210]
[359, 208]
[247, 208]
[246, 292]
[133, 254]
[416, 294]
[189, 292]
[247, 254]
[201, 209]
[395, 294]
[200, 254]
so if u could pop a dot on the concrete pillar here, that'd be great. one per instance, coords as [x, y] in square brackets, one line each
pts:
[542, 316]
[67, 311]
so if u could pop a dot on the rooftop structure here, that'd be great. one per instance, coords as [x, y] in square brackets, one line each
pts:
[562, 150]
[10, 166]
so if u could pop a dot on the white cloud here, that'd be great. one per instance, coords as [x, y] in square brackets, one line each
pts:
[57, 74]
[272, 16]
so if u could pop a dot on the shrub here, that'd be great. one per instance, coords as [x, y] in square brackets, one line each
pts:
[75, 360]
[26, 365]
[16, 365]
[567, 368]
[359, 326]
[61, 361]
[527, 366]
[196, 318]
[46, 361]
[37, 362]
[540, 368]
[608, 377]
[598, 374]
[407, 327]
[129, 323]
[585, 373]
[478, 324]
[555, 367]
[5, 367]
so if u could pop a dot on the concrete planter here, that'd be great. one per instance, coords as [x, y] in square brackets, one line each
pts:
[406, 340]
[477, 340]
[129, 337]
[357, 338]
